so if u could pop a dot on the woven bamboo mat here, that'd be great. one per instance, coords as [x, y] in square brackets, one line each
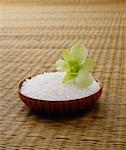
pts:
[31, 36]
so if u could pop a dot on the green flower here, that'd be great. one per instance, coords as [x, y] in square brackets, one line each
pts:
[76, 65]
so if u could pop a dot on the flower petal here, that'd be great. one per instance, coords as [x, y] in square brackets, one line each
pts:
[67, 54]
[59, 64]
[79, 52]
[62, 65]
[88, 65]
[84, 79]
[68, 79]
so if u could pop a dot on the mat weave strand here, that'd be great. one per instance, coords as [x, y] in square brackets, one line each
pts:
[31, 36]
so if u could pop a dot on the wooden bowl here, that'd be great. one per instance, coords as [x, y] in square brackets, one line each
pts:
[60, 107]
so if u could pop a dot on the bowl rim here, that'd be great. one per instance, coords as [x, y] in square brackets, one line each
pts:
[56, 101]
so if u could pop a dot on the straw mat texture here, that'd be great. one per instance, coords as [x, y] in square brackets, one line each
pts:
[31, 36]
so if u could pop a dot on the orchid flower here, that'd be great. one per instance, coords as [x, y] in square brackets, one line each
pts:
[76, 65]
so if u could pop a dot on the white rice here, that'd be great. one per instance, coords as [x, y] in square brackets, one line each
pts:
[49, 86]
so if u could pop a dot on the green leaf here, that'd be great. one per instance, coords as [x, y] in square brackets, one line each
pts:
[68, 79]
[84, 79]
[88, 65]
[67, 54]
[79, 52]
